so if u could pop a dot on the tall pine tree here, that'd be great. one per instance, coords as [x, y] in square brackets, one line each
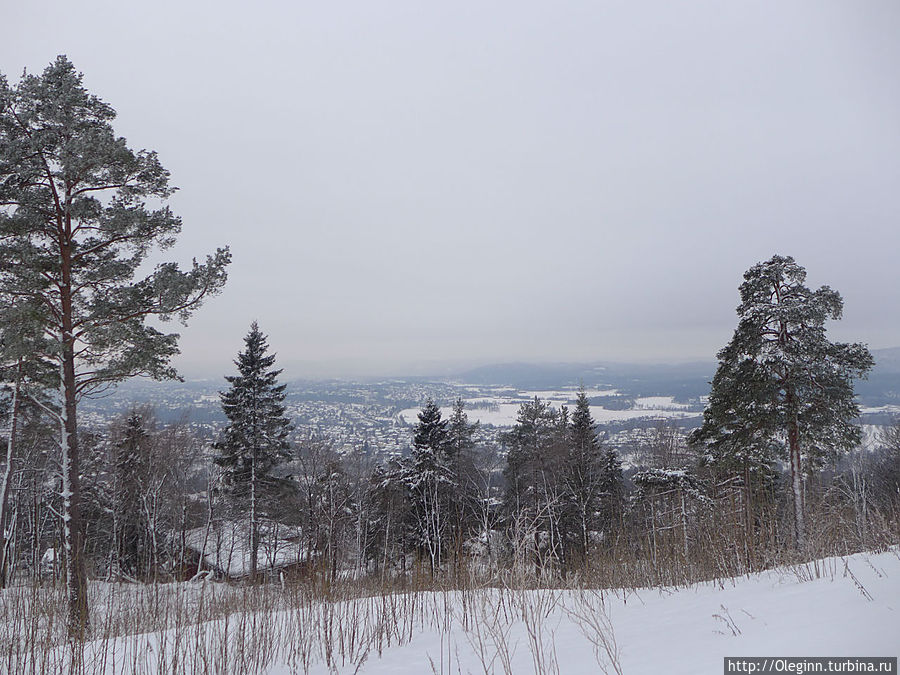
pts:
[782, 388]
[255, 440]
[80, 212]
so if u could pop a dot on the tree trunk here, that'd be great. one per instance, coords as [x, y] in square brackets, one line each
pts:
[584, 535]
[183, 539]
[254, 534]
[78, 620]
[684, 525]
[797, 484]
[749, 529]
[76, 578]
[7, 475]
[35, 531]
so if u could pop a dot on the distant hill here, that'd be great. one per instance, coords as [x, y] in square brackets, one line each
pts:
[533, 375]
[887, 360]
[684, 381]
[883, 384]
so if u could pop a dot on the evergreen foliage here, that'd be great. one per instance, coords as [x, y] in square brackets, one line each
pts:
[461, 455]
[782, 389]
[460, 434]
[432, 484]
[583, 476]
[534, 494]
[254, 441]
[612, 488]
[75, 226]
[530, 443]
[391, 521]
[430, 437]
[131, 469]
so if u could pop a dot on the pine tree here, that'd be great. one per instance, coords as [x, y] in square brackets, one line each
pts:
[782, 388]
[75, 227]
[583, 431]
[255, 440]
[583, 475]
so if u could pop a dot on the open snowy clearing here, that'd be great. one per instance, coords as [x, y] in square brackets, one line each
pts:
[834, 607]
[502, 412]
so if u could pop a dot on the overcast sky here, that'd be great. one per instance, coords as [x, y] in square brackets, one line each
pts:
[407, 186]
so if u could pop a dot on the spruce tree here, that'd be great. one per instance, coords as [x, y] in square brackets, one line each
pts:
[131, 469]
[429, 478]
[612, 488]
[460, 434]
[430, 438]
[583, 475]
[255, 440]
[533, 497]
[529, 443]
[583, 431]
[79, 213]
[460, 451]
[782, 388]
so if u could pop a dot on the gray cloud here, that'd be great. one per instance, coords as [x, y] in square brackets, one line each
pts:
[405, 184]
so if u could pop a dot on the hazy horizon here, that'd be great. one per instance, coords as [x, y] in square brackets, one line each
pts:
[409, 186]
[350, 370]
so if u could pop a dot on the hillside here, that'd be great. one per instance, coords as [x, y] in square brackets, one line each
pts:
[832, 607]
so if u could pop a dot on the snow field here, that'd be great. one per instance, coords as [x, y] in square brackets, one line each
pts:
[833, 607]
[503, 411]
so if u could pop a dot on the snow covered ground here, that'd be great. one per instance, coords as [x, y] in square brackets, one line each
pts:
[851, 609]
[659, 403]
[502, 411]
[880, 410]
[834, 607]
[226, 547]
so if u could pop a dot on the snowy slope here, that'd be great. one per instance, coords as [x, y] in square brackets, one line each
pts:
[846, 612]
[834, 607]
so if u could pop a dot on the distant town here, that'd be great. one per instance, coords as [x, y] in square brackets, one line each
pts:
[376, 417]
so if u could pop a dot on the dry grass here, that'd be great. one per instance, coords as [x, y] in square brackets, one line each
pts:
[218, 628]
